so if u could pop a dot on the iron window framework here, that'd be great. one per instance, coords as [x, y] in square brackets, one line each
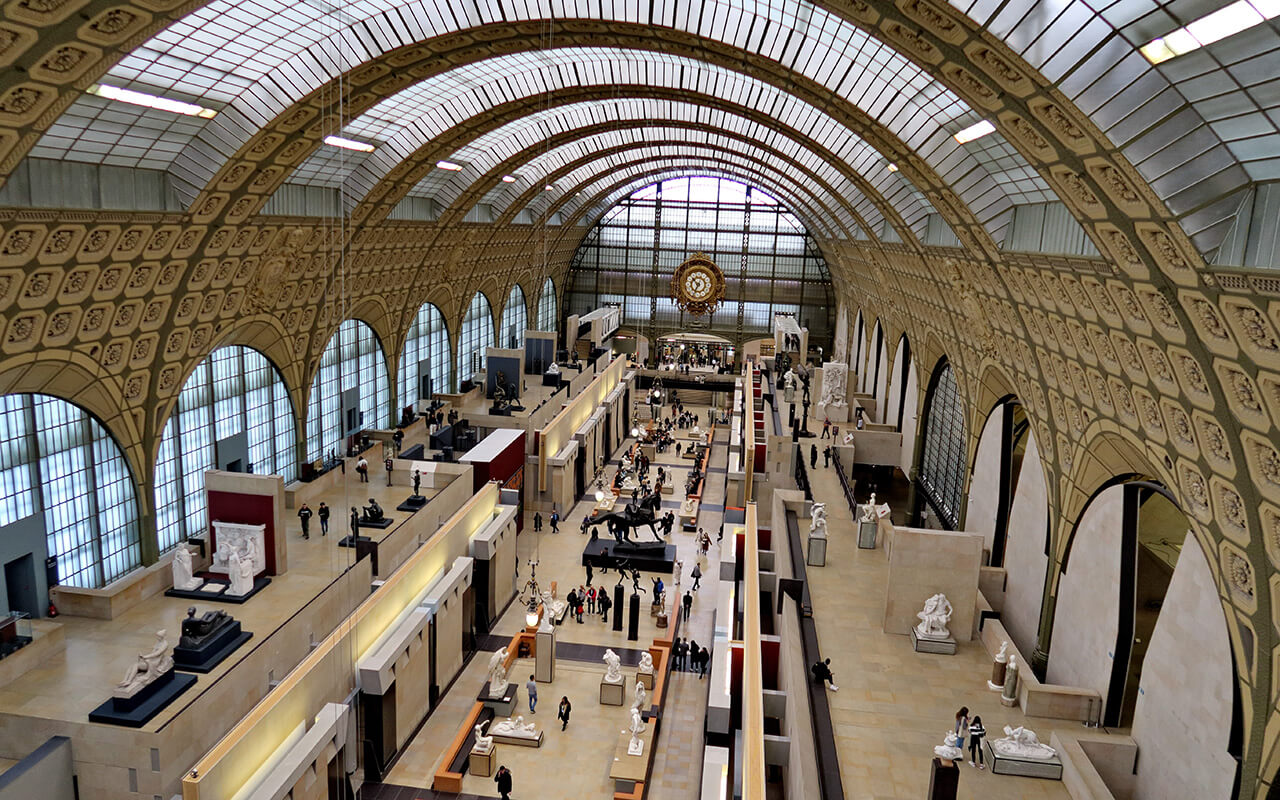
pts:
[515, 319]
[57, 460]
[547, 307]
[476, 335]
[942, 466]
[785, 272]
[353, 358]
[235, 390]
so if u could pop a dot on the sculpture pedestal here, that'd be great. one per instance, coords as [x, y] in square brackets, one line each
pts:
[817, 552]
[544, 667]
[617, 607]
[944, 780]
[133, 712]
[867, 534]
[611, 694]
[503, 706]
[633, 619]
[211, 653]
[922, 644]
[480, 762]
[836, 413]
[998, 671]
[1047, 768]
[523, 741]
[415, 503]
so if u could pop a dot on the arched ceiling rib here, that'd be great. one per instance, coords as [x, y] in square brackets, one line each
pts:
[556, 167]
[913, 107]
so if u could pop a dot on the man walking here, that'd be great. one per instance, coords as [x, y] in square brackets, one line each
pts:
[362, 469]
[304, 514]
[531, 686]
[503, 779]
[323, 514]
[555, 521]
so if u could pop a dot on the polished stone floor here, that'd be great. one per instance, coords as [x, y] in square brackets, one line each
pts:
[575, 764]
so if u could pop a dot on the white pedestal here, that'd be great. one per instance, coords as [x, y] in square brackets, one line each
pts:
[544, 668]
[838, 414]
[481, 762]
[817, 552]
[645, 679]
[921, 644]
[611, 694]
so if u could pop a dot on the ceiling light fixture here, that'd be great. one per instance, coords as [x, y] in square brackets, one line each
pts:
[449, 165]
[151, 101]
[349, 144]
[508, 178]
[1220, 24]
[975, 131]
[892, 167]
[549, 187]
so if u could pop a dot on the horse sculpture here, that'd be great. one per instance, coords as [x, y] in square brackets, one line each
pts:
[635, 515]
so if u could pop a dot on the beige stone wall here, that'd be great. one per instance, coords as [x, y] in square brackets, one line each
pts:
[984, 487]
[1088, 612]
[1025, 561]
[923, 563]
[1185, 704]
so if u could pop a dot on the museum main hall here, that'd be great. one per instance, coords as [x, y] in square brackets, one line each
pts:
[723, 400]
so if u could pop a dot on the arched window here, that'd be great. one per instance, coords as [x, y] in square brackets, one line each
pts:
[426, 353]
[515, 319]
[58, 461]
[233, 413]
[547, 307]
[349, 392]
[942, 466]
[476, 335]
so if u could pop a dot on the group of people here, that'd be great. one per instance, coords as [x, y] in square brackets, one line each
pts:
[304, 515]
[687, 656]
[972, 727]
[589, 599]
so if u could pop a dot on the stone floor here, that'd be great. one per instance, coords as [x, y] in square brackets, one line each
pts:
[895, 704]
[575, 765]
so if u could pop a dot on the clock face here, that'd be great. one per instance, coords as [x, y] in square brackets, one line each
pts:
[697, 285]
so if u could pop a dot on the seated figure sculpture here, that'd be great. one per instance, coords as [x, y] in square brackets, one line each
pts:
[498, 673]
[147, 669]
[646, 662]
[1021, 742]
[183, 578]
[372, 512]
[934, 618]
[613, 667]
[483, 743]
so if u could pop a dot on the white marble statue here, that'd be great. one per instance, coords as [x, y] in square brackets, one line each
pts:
[646, 660]
[789, 387]
[934, 618]
[240, 570]
[498, 673]
[1020, 742]
[554, 369]
[551, 606]
[546, 626]
[514, 727]
[819, 510]
[147, 668]
[636, 746]
[678, 568]
[183, 579]
[639, 697]
[1003, 655]
[248, 541]
[483, 743]
[835, 378]
[613, 667]
[818, 527]
[948, 748]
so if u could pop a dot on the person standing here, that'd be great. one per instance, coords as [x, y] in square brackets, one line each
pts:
[688, 604]
[691, 661]
[323, 514]
[304, 514]
[697, 577]
[976, 732]
[591, 598]
[572, 602]
[555, 521]
[389, 463]
[589, 573]
[355, 525]
[826, 429]
[826, 457]
[813, 456]
[537, 521]
[604, 603]
[704, 661]
[563, 713]
[822, 674]
[962, 726]
[362, 469]
[503, 779]
[397, 439]
[531, 686]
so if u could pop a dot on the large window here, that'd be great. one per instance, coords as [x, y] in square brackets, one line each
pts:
[547, 307]
[56, 459]
[515, 319]
[427, 345]
[349, 392]
[233, 407]
[477, 334]
[784, 270]
[942, 469]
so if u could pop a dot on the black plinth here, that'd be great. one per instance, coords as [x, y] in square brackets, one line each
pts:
[414, 503]
[347, 541]
[259, 584]
[944, 780]
[499, 412]
[617, 607]
[382, 524]
[508, 696]
[607, 553]
[134, 712]
[211, 653]
[633, 619]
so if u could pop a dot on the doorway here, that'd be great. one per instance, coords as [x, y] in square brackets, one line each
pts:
[20, 581]
[580, 472]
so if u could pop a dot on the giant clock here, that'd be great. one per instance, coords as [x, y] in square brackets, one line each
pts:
[697, 285]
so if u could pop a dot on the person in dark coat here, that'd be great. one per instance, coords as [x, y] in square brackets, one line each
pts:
[813, 456]
[304, 514]
[503, 779]
[563, 713]
[605, 604]
[688, 604]
[323, 514]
